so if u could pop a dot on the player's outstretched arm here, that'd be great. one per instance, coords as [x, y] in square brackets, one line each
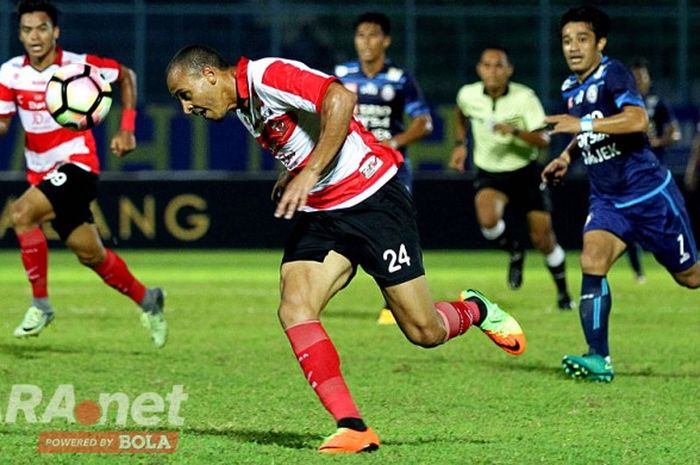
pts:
[124, 141]
[418, 128]
[336, 112]
[631, 119]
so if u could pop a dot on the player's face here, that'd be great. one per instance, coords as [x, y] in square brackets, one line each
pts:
[370, 42]
[643, 80]
[494, 69]
[38, 35]
[582, 51]
[201, 94]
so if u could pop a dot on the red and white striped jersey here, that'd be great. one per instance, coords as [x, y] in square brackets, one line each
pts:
[283, 115]
[22, 89]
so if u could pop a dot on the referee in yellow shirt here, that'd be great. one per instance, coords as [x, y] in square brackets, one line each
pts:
[504, 117]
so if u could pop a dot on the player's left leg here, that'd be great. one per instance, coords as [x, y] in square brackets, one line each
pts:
[543, 239]
[84, 241]
[306, 287]
[600, 250]
[428, 324]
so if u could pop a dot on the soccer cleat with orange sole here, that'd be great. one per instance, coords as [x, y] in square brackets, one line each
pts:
[499, 326]
[350, 441]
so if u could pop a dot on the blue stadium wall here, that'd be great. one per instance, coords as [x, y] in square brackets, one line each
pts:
[236, 212]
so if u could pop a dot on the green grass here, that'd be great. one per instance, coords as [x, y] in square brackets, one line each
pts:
[465, 402]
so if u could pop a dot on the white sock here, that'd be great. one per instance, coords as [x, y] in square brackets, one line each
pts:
[495, 232]
[555, 257]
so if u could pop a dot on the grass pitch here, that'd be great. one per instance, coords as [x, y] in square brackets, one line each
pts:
[464, 402]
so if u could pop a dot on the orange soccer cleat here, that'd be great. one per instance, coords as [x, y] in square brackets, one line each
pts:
[499, 326]
[350, 441]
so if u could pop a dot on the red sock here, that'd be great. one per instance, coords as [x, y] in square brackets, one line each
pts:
[35, 258]
[458, 316]
[115, 273]
[321, 366]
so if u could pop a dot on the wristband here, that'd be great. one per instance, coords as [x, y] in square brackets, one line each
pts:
[586, 124]
[128, 120]
[393, 144]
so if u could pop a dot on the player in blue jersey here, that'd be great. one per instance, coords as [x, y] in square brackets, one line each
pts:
[632, 197]
[385, 93]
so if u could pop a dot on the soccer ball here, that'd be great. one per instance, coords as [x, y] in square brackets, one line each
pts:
[77, 97]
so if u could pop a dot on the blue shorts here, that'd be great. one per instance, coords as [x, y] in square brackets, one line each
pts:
[659, 223]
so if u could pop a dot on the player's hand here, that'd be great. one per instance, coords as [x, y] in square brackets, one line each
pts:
[459, 154]
[123, 142]
[280, 185]
[295, 194]
[503, 128]
[566, 124]
[554, 172]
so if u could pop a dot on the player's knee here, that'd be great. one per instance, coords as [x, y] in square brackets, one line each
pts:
[293, 310]
[426, 336]
[91, 257]
[21, 216]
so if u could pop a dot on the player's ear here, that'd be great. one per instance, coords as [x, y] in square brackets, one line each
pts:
[387, 41]
[56, 32]
[209, 73]
[602, 42]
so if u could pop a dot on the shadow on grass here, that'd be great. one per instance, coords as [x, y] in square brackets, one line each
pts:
[24, 350]
[557, 371]
[434, 440]
[287, 439]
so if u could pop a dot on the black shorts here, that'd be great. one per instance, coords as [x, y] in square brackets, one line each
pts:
[70, 189]
[379, 234]
[524, 188]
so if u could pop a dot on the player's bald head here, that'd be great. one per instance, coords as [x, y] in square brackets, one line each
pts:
[193, 58]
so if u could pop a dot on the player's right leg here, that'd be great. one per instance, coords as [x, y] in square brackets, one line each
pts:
[490, 206]
[28, 212]
[543, 238]
[306, 286]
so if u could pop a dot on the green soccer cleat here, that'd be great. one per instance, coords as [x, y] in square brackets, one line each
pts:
[153, 319]
[589, 367]
[498, 325]
[33, 323]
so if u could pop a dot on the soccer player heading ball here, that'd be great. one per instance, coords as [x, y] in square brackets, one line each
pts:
[340, 181]
[63, 168]
[632, 197]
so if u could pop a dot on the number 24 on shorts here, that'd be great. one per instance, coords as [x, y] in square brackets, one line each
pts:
[396, 259]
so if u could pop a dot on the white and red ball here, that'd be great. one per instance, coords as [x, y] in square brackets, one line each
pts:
[77, 97]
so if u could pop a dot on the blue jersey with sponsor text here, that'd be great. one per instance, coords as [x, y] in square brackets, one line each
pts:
[383, 99]
[621, 167]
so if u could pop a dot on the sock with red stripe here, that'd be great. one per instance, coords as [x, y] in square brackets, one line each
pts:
[35, 258]
[321, 366]
[458, 316]
[116, 274]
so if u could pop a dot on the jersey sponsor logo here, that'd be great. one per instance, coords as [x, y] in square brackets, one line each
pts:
[601, 154]
[388, 93]
[370, 166]
[369, 89]
[592, 94]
